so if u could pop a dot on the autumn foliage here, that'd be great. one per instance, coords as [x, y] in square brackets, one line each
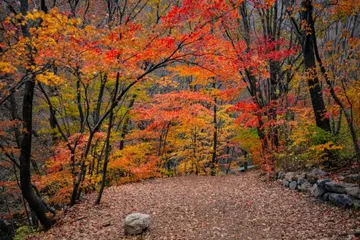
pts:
[129, 91]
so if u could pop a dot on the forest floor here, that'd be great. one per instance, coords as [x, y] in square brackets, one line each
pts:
[222, 207]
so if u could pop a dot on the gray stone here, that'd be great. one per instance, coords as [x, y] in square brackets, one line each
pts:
[317, 190]
[326, 196]
[338, 187]
[305, 186]
[321, 182]
[136, 223]
[300, 181]
[285, 183]
[290, 176]
[341, 200]
[315, 174]
[352, 178]
[353, 191]
[293, 185]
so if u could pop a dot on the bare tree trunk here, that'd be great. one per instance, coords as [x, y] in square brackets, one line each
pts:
[107, 148]
[215, 132]
[33, 200]
[96, 115]
[106, 159]
[310, 66]
[124, 129]
[25, 158]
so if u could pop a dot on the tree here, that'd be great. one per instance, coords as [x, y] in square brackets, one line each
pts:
[305, 35]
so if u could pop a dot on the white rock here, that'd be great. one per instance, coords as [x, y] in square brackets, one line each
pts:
[136, 223]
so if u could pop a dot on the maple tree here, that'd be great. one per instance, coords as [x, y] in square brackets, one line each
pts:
[95, 93]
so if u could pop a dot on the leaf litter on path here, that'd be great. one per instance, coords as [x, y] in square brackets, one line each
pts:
[206, 208]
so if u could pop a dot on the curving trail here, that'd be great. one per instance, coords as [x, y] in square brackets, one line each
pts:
[222, 207]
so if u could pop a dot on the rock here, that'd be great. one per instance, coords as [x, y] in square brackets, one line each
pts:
[293, 185]
[305, 186]
[320, 187]
[300, 181]
[301, 176]
[137, 223]
[315, 174]
[352, 178]
[326, 196]
[285, 183]
[321, 182]
[338, 187]
[290, 176]
[353, 191]
[342, 200]
[317, 190]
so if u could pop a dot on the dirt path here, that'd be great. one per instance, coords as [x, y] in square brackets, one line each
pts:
[228, 207]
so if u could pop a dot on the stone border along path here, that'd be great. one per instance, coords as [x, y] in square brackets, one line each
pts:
[319, 185]
[221, 207]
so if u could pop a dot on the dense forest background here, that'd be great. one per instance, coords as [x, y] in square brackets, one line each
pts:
[96, 93]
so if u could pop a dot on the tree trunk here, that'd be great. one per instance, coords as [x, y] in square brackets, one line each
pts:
[106, 159]
[96, 114]
[214, 160]
[347, 112]
[25, 158]
[126, 123]
[107, 148]
[33, 200]
[310, 67]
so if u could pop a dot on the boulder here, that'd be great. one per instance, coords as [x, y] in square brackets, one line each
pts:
[285, 183]
[290, 176]
[338, 187]
[305, 186]
[300, 180]
[353, 191]
[315, 174]
[352, 178]
[136, 223]
[326, 196]
[322, 182]
[293, 185]
[317, 190]
[341, 200]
